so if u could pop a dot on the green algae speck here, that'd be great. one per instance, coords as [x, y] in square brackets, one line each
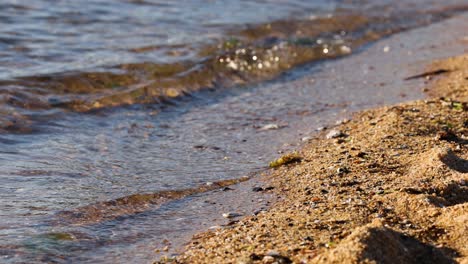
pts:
[285, 160]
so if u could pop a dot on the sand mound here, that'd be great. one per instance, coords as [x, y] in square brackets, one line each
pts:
[375, 243]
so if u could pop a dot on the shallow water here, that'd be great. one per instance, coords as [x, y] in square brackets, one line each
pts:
[65, 56]
[46, 36]
[71, 176]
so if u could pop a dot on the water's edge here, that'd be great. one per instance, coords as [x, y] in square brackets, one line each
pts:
[257, 53]
[231, 133]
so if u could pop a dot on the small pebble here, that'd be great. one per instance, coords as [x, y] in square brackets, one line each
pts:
[257, 189]
[342, 121]
[273, 253]
[259, 212]
[334, 134]
[340, 141]
[270, 127]
[345, 49]
[268, 259]
[231, 215]
[361, 154]
[342, 170]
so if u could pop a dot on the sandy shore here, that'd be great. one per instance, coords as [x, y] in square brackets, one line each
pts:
[387, 186]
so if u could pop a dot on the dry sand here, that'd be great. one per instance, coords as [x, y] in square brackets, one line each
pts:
[390, 188]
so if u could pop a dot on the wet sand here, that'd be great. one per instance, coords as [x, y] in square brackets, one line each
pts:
[387, 186]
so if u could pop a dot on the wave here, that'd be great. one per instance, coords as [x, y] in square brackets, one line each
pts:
[251, 54]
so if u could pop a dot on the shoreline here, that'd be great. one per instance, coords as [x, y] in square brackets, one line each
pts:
[127, 162]
[355, 197]
[215, 135]
[391, 187]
